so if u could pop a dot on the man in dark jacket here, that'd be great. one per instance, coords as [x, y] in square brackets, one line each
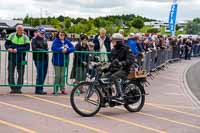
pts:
[40, 57]
[121, 61]
[79, 69]
[188, 49]
[16, 44]
[102, 44]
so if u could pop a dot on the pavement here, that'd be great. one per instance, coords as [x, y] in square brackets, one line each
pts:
[168, 109]
[193, 78]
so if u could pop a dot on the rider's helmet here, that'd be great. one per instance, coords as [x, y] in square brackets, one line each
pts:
[117, 37]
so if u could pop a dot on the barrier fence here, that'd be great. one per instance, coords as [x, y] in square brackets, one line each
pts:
[196, 50]
[75, 69]
[18, 72]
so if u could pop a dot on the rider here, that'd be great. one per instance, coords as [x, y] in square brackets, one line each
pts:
[121, 61]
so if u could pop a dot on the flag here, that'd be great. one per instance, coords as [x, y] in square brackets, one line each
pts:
[172, 17]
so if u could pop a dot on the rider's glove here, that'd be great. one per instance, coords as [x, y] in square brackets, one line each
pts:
[120, 64]
[115, 62]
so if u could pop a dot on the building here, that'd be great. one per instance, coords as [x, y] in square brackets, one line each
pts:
[156, 24]
[159, 24]
[11, 23]
[9, 26]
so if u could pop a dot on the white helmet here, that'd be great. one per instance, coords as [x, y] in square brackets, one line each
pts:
[117, 37]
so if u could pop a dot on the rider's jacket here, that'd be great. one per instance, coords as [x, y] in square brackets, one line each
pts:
[121, 58]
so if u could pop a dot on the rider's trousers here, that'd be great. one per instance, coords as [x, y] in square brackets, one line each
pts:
[117, 77]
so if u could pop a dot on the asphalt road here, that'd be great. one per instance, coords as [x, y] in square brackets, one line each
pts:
[193, 79]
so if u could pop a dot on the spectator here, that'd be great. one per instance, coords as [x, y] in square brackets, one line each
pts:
[121, 31]
[92, 59]
[74, 41]
[3, 34]
[61, 48]
[35, 34]
[175, 48]
[16, 44]
[91, 38]
[40, 57]
[102, 44]
[151, 45]
[180, 46]
[146, 45]
[132, 44]
[188, 49]
[80, 61]
[140, 46]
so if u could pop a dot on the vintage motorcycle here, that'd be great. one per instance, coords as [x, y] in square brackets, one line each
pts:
[87, 98]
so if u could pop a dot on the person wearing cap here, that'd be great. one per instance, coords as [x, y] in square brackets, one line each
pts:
[40, 57]
[16, 44]
[92, 59]
[62, 48]
[121, 61]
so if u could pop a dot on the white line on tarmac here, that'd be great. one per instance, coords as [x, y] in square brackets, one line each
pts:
[17, 127]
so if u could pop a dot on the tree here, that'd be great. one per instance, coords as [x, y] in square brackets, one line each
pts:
[97, 22]
[27, 20]
[36, 22]
[83, 21]
[61, 18]
[196, 20]
[153, 30]
[178, 27]
[56, 23]
[67, 23]
[137, 23]
[79, 20]
[91, 26]
[193, 27]
[74, 21]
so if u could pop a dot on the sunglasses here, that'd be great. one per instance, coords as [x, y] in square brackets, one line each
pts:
[61, 34]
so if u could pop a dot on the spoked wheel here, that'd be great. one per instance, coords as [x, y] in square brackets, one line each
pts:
[138, 94]
[85, 99]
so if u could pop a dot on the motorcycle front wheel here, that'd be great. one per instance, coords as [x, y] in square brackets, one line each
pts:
[85, 99]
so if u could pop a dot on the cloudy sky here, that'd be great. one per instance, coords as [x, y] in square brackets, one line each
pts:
[157, 9]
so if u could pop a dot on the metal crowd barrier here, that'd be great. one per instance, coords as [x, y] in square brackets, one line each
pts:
[158, 58]
[82, 63]
[196, 50]
[76, 67]
[27, 67]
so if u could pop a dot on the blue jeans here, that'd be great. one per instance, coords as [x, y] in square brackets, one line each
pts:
[42, 67]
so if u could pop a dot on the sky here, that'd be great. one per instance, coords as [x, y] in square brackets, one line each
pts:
[155, 9]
